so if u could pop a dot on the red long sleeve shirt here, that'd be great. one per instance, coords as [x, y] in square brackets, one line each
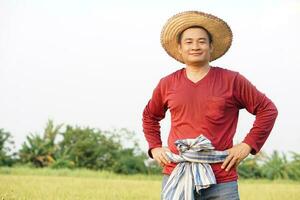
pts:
[209, 107]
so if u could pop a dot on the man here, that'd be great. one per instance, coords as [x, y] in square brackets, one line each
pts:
[204, 100]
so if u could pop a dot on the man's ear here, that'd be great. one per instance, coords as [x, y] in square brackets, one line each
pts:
[211, 48]
[179, 48]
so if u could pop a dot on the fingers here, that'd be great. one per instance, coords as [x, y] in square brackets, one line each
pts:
[235, 155]
[237, 163]
[160, 163]
[160, 156]
[166, 149]
[165, 158]
[231, 163]
[227, 161]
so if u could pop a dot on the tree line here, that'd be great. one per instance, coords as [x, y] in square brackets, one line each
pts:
[119, 151]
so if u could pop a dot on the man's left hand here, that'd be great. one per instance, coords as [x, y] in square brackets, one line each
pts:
[235, 155]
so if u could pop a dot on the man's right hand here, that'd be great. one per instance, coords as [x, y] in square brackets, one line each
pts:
[159, 154]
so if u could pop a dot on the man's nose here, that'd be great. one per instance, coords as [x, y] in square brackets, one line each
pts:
[195, 46]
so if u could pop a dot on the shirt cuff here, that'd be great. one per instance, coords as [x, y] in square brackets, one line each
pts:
[252, 144]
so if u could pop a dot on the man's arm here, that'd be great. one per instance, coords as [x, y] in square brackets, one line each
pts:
[247, 96]
[153, 113]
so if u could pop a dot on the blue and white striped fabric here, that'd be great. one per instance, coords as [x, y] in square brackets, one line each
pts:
[193, 170]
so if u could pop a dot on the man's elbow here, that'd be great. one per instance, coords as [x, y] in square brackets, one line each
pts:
[273, 110]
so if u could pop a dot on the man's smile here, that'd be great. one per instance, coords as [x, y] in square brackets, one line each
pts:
[196, 54]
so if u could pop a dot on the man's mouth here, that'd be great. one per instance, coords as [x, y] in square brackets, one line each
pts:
[195, 54]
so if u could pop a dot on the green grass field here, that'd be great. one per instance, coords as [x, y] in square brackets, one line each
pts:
[46, 184]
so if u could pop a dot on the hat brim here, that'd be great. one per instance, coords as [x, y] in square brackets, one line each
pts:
[220, 31]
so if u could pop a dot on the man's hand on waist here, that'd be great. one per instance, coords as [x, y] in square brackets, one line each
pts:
[235, 155]
[159, 154]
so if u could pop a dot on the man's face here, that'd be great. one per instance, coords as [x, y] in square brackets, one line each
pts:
[195, 47]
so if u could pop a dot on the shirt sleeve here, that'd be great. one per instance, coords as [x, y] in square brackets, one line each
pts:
[153, 113]
[257, 103]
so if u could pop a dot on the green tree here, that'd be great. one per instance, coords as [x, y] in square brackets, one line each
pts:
[276, 167]
[130, 163]
[89, 148]
[131, 159]
[293, 167]
[41, 150]
[249, 168]
[5, 149]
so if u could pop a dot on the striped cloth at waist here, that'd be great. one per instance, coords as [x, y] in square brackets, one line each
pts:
[193, 170]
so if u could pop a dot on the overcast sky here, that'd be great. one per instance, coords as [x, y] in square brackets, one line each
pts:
[95, 63]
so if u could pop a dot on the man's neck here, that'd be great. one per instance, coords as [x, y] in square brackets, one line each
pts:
[196, 72]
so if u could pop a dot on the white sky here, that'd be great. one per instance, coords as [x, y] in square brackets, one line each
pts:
[94, 63]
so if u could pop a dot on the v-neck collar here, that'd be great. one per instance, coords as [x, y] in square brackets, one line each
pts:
[198, 82]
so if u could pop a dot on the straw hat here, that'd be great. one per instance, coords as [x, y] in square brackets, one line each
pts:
[220, 31]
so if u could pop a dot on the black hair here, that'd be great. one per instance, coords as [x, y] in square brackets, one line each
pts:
[210, 39]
